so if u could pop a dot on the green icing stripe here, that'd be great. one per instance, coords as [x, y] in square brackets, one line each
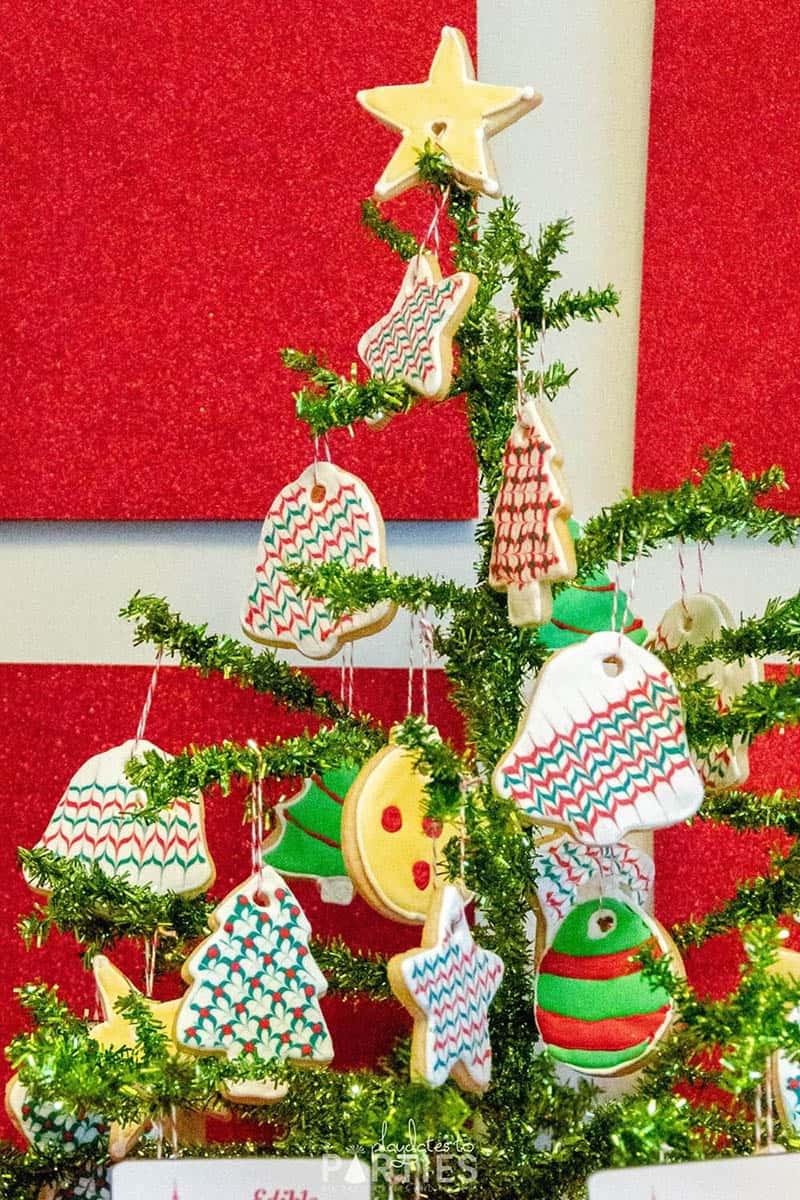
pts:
[597, 1060]
[596, 999]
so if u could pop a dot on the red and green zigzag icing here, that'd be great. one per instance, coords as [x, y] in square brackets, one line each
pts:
[93, 822]
[342, 528]
[595, 1008]
[403, 344]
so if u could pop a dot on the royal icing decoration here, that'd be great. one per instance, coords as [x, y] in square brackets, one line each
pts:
[564, 868]
[595, 1008]
[413, 342]
[447, 986]
[391, 849]
[46, 1124]
[692, 621]
[307, 841]
[601, 748]
[254, 986]
[116, 1031]
[94, 822]
[452, 112]
[532, 543]
[327, 515]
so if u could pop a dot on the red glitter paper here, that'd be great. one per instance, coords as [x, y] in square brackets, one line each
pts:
[55, 717]
[720, 303]
[698, 866]
[180, 200]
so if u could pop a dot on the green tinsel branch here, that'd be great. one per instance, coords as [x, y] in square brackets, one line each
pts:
[777, 632]
[346, 590]
[351, 973]
[723, 500]
[759, 708]
[100, 910]
[400, 241]
[194, 647]
[334, 401]
[199, 768]
[771, 896]
[747, 810]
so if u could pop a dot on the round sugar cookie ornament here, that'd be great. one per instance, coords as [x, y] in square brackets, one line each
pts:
[391, 849]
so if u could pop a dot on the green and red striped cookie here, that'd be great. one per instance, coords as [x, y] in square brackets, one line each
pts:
[595, 1008]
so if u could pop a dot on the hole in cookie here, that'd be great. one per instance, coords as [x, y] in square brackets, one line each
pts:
[613, 665]
[261, 899]
[688, 622]
[317, 493]
[601, 924]
[438, 127]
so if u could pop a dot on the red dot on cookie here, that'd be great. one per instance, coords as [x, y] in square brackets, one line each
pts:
[391, 818]
[421, 872]
[431, 828]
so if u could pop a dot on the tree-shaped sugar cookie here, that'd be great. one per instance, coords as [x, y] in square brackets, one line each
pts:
[326, 515]
[307, 840]
[532, 544]
[254, 986]
[447, 986]
[50, 1125]
[95, 822]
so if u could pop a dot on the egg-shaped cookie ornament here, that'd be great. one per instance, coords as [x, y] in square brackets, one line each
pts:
[394, 854]
[596, 1009]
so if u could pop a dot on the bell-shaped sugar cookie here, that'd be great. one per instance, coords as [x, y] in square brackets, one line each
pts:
[327, 515]
[95, 822]
[601, 748]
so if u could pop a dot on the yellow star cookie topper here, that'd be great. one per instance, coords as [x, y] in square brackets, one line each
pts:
[116, 1031]
[450, 109]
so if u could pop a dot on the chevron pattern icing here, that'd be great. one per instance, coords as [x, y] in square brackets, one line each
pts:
[255, 987]
[563, 867]
[46, 1124]
[691, 621]
[326, 515]
[602, 753]
[94, 822]
[412, 342]
[448, 986]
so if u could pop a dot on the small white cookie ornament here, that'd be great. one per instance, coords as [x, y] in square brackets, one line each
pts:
[94, 822]
[694, 620]
[565, 867]
[452, 111]
[447, 986]
[413, 342]
[532, 544]
[601, 748]
[326, 515]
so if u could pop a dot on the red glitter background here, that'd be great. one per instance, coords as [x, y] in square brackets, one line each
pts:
[720, 303]
[179, 197]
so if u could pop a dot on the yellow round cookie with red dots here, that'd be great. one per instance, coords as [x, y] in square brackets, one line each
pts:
[392, 851]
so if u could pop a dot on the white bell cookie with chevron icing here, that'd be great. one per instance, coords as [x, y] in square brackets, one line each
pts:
[413, 342]
[567, 871]
[601, 748]
[326, 515]
[94, 822]
[694, 620]
[254, 985]
[447, 986]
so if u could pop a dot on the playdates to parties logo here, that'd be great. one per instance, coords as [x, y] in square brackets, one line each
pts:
[415, 1159]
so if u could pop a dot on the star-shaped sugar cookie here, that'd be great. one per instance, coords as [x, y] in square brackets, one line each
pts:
[447, 986]
[451, 110]
[413, 342]
[116, 1031]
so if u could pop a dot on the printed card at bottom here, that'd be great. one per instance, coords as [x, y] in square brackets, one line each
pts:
[767, 1175]
[327, 1178]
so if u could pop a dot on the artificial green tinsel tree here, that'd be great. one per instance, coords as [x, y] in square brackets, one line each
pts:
[534, 1135]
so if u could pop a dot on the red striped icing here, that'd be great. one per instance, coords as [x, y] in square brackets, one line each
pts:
[612, 1033]
[596, 966]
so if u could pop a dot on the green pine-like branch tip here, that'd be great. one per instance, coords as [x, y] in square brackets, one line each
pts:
[346, 590]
